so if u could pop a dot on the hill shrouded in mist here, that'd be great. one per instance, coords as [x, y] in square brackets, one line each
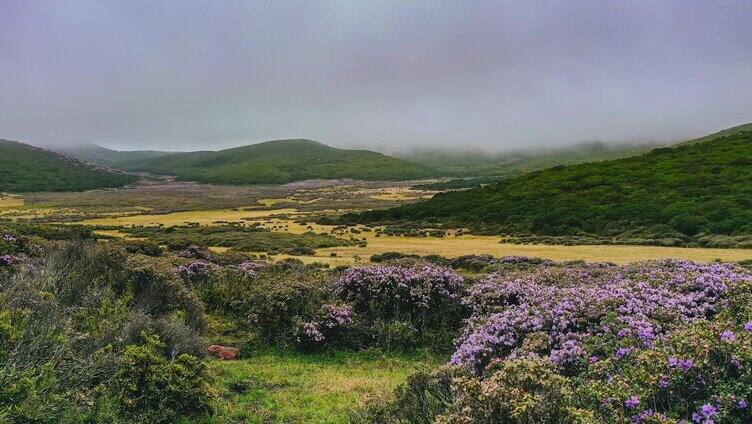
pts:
[279, 162]
[501, 165]
[691, 189]
[93, 153]
[24, 168]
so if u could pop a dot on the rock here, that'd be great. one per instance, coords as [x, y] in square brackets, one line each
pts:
[223, 352]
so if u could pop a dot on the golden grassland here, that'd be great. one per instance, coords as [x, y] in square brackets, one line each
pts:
[450, 246]
[201, 217]
[7, 201]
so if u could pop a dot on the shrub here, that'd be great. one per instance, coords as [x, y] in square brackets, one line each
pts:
[143, 247]
[150, 388]
[397, 306]
[281, 297]
[516, 391]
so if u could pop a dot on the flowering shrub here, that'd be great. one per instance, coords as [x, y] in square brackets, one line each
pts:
[652, 342]
[329, 326]
[590, 313]
[250, 268]
[193, 269]
[395, 292]
[414, 304]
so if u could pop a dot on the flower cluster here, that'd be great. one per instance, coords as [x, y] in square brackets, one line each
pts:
[309, 334]
[193, 269]
[6, 260]
[632, 306]
[410, 292]
[250, 268]
[336, 316]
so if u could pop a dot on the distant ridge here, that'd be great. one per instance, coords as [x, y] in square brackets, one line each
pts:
[279, 162]
[25, 168]
[700, 187]
[93, 153]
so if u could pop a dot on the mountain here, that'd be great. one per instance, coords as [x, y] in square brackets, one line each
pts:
[502, 165]
[279, 162]
[93, 153]
[24, 168]
[692, 189]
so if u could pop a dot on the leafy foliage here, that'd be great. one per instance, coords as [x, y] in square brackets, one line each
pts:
[24, 168]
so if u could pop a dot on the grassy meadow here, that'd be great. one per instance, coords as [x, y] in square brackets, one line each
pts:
[289, 387]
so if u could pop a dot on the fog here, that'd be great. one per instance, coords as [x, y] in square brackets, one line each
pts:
[385, 75]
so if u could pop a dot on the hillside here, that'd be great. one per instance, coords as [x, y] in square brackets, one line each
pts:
[25, 168]
[93, 153]
[279, 162]
[689, 190]
[723, 133]
[507, 164]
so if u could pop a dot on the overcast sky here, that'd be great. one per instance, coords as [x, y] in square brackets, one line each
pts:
[388, 75]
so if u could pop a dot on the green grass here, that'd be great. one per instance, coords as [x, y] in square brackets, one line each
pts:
[280, 387]
[279, 162]
[690, 190]
[25, 168]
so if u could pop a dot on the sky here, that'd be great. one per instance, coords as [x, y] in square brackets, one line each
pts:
[386, 75]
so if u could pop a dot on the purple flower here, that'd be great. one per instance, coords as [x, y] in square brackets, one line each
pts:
[309, 332]
[6, 260]
[682, 364]
[622, 352]
[632, 402]
[593, 359]
[708, 410]
[685, 364]
[664, 382]
[9, 238]
[742, 404]
[728, 336]
[748, 326]
[649, 300]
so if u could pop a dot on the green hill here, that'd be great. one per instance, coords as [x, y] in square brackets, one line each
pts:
[25, 168]
[690, 190]
[93, 153]
[279, 162]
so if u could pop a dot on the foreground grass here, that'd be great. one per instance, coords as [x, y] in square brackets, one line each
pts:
[284, 387]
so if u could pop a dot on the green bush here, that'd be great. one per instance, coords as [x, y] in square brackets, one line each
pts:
[149, 388]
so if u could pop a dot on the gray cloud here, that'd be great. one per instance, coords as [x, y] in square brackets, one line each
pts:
[380, 74]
